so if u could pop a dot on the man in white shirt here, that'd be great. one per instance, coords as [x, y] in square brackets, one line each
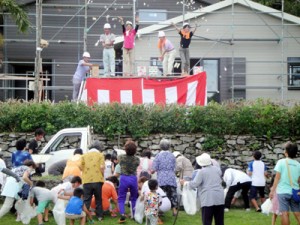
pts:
[236, 180]
[107, 40]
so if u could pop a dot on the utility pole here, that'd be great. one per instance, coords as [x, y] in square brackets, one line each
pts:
[85, 26]
[38, 50]
[183, 11]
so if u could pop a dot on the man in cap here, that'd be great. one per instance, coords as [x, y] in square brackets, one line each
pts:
[185, 40]
[167, 53]
[92, 166]
[107, 40]
[83, 67]
[129, 36]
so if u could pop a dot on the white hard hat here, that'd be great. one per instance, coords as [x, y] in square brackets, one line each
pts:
[86, 54]
[107, 26]
[186, 24]
[128, 23]
[161, 34]
[203, 160]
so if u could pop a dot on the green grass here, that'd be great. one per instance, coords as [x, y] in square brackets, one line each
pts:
[234, 217]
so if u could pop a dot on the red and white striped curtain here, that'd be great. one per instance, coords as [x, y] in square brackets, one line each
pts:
[190, 90]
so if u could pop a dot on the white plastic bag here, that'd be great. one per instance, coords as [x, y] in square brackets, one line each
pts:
[266, 206]
[25, 211]
[139, 211]
[189, 200]
[59, 212]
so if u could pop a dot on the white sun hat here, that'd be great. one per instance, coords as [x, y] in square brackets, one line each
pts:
[161, 34]
[86, 54]
[128, 23]
[107, 26]
[203, 160]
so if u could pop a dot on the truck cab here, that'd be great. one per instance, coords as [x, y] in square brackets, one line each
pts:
[62, 145]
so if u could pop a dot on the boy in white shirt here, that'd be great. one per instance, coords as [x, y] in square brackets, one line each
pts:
[257, 170]
[108, 166]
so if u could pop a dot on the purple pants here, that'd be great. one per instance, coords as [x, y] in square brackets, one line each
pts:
[127, 182]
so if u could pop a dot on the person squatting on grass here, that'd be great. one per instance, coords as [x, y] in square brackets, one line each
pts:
[210, 191]
[128, 178]
[287, 177]
[76, 209]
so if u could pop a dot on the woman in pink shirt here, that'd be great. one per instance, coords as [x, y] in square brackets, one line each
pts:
[129, 36]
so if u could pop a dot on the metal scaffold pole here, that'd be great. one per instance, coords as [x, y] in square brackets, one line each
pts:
[38, 62]
[85, 26]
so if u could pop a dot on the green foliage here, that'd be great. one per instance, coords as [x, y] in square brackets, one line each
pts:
[17, 13]
[213, 143]
[257, 118]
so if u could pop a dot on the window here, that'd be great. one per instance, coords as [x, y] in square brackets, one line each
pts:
[70, 141]
[152, 15]
[293, 73]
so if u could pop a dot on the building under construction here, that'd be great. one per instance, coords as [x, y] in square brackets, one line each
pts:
[248, 50]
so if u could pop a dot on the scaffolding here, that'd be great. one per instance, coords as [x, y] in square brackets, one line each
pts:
[86, 34]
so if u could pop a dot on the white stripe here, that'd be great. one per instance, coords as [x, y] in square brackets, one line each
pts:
[84, 95]
[171, 95]
[148, 96]
[191, 93]
[126, 96]
[103, 96]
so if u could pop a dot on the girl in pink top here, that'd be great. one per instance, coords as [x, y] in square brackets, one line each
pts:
[129, 36]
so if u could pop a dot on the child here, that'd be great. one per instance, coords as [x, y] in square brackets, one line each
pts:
[275, 205]
[108, 166]
[44, 198]
[257, 170]
[152, 201]
[76, 209]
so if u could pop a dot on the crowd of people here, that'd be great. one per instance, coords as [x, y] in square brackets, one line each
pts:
[97, 185]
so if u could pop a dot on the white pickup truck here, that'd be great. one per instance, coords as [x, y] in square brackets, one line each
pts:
[62, 145]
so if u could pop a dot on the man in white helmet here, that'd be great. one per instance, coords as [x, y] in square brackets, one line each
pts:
[82, 69]
[107, 40]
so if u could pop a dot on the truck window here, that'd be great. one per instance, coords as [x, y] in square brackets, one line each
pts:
[66, 141]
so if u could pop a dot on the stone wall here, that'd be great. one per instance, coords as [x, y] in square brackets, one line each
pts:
[235, 151]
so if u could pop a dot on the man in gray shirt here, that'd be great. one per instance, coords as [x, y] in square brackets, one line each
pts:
[107, 40]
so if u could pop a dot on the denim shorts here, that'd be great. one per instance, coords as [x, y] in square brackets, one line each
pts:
[286, 203]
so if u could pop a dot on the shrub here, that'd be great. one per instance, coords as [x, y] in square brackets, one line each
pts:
[257, 118]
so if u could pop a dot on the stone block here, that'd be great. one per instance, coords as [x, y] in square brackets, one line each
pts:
[231, 142]
[188, 139]
[181, 148]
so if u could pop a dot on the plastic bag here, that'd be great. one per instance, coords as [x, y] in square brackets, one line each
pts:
[59, 212]
[139, 211]
[189, 200]
[25, 211]
[266, 206]
[179, 192]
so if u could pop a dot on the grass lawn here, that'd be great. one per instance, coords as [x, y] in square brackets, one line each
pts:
[234, 217]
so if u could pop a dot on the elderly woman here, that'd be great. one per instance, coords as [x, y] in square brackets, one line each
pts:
[210, 191]
[164, 164]
[128, 178]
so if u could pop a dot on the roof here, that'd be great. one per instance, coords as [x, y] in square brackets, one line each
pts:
[211, 8]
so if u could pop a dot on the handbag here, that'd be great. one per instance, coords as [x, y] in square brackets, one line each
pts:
[295, 192]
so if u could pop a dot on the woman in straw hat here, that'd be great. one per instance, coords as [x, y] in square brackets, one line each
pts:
[210, 191]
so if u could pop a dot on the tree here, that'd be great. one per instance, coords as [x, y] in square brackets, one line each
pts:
[290, 6]
[17, 13]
